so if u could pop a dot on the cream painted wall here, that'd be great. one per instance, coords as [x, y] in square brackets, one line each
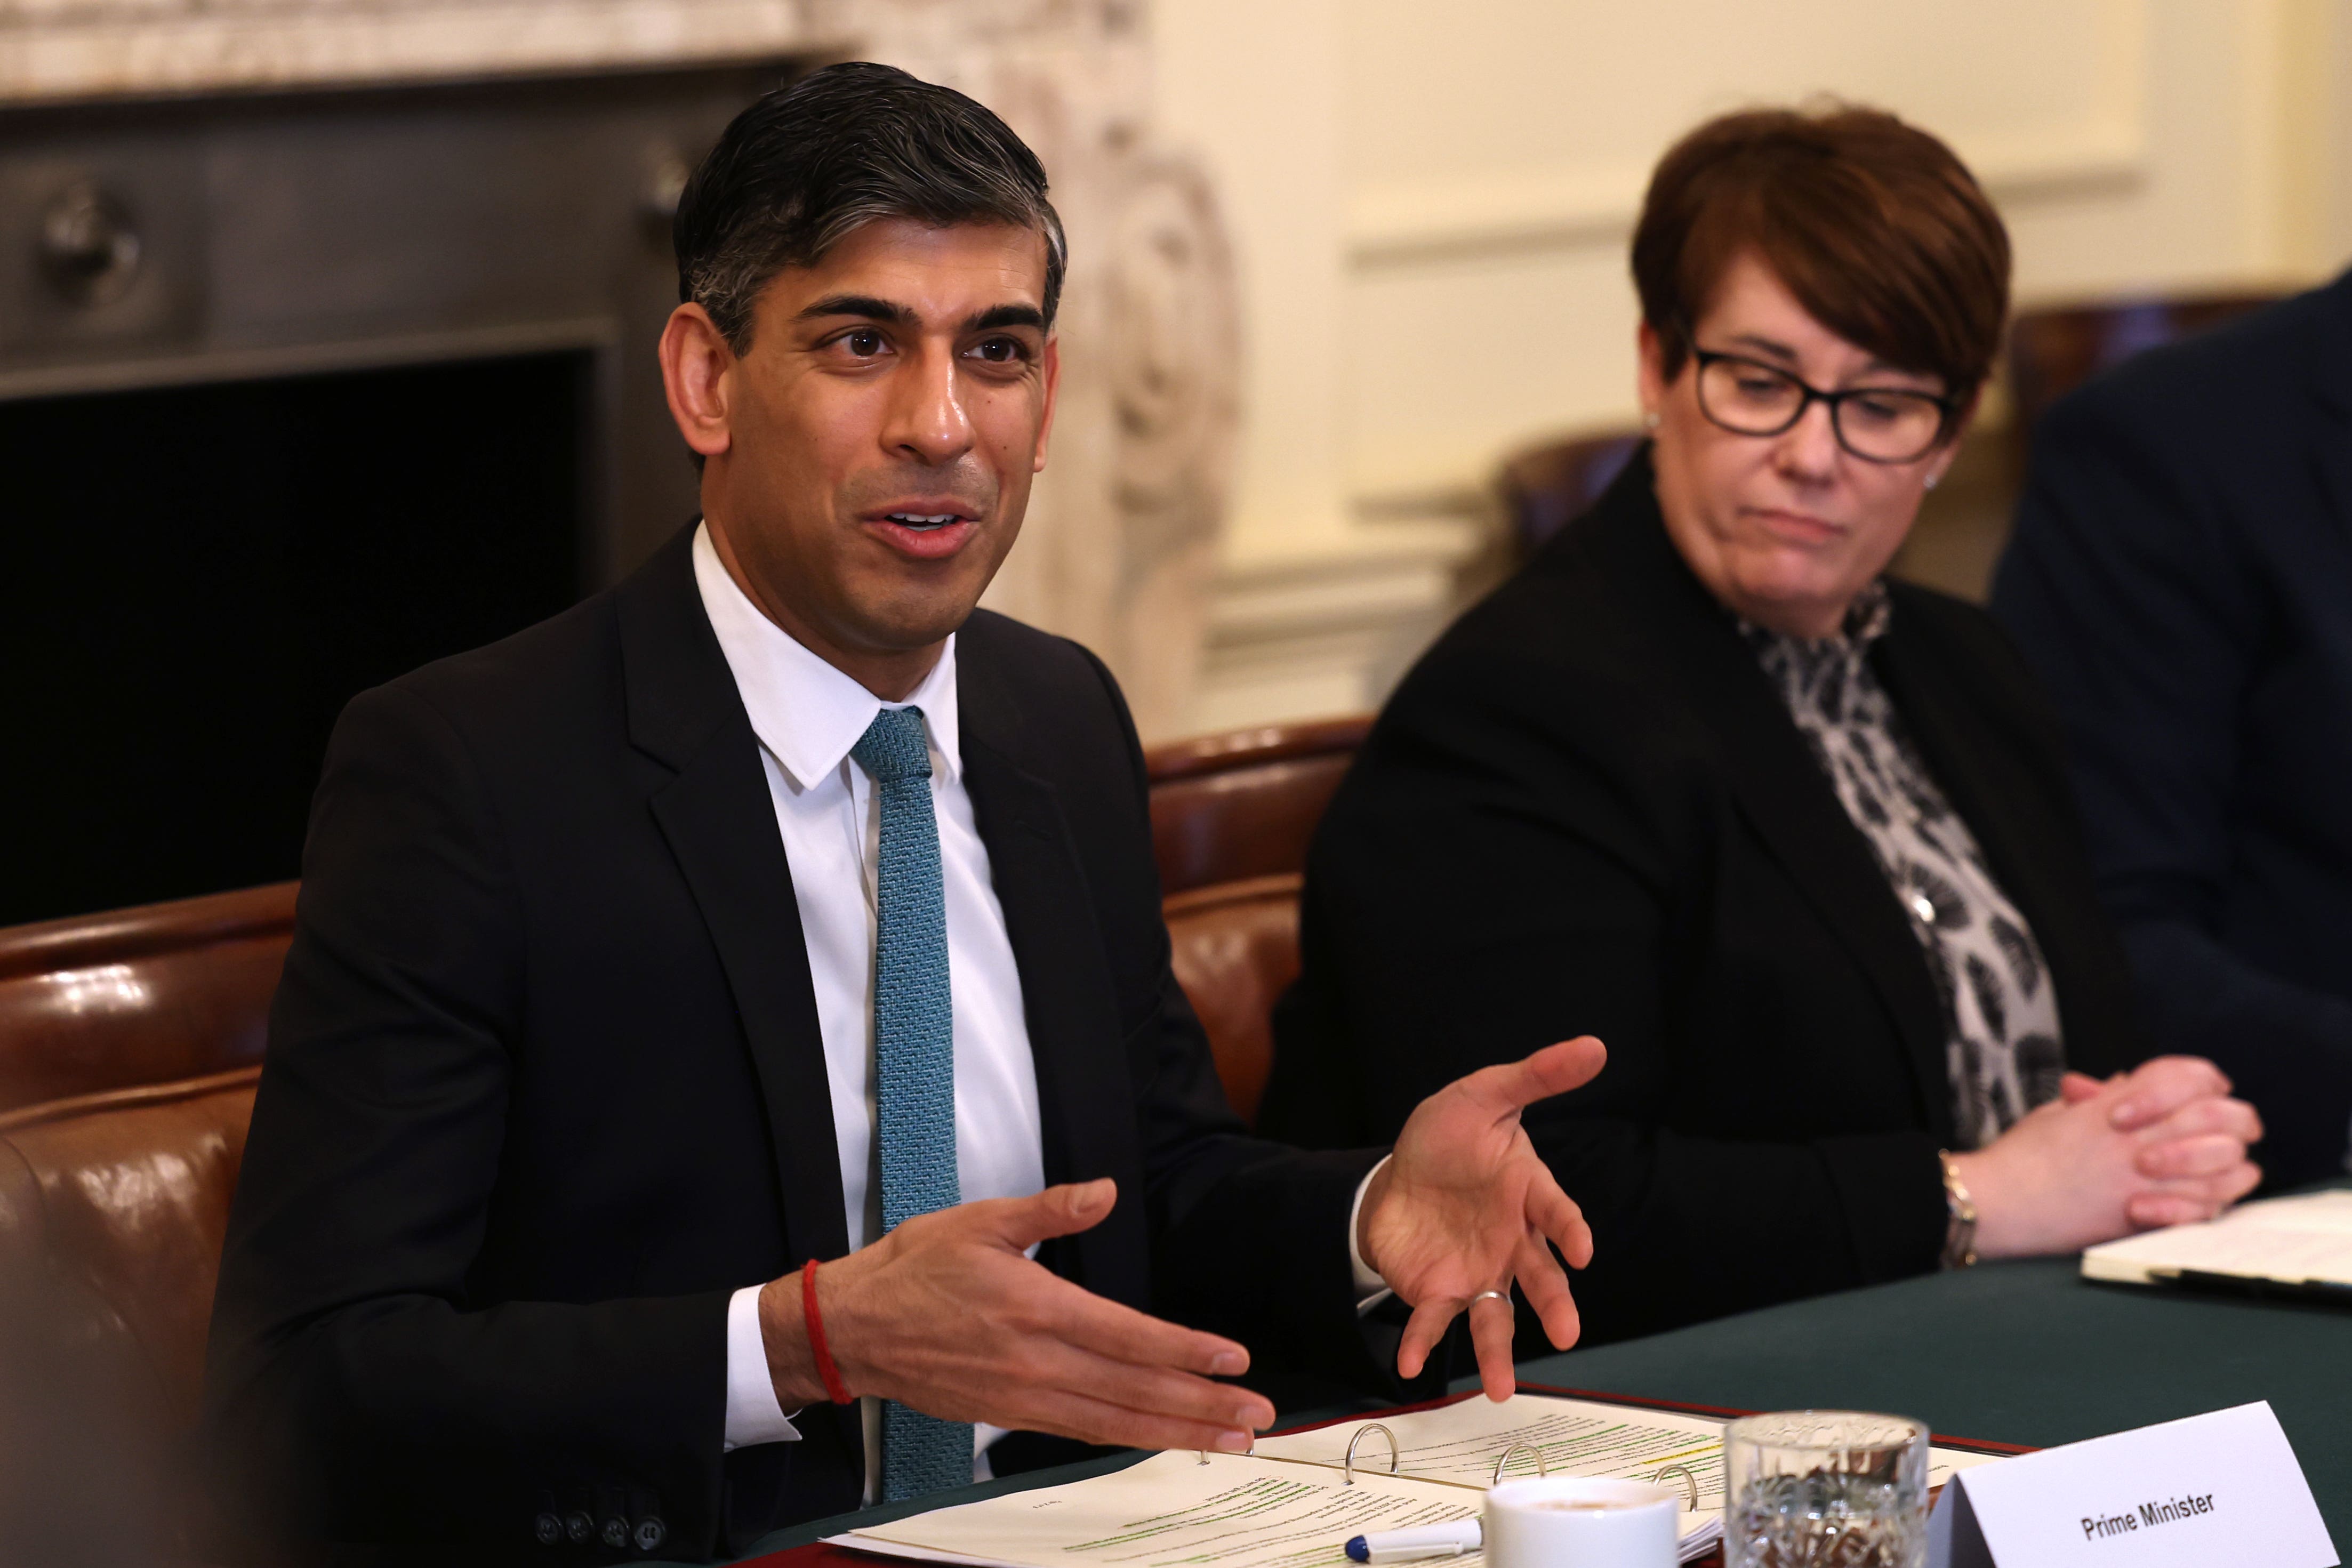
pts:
[1430, 205]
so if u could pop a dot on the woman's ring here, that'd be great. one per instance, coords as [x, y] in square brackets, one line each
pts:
[1502, 1296]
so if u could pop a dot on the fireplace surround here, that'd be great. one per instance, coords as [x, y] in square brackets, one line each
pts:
[299, 391]
[303, 209]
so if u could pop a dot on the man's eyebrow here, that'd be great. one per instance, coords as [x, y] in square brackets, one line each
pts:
[863, 305]
[997, 315]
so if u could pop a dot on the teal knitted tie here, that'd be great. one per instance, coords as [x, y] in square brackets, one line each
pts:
[914, 1057]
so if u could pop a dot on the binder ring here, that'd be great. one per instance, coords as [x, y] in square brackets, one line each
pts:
[1348, 1470]
[1504, 1459]
[1690, 1483]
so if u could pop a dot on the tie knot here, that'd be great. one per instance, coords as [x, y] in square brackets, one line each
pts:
[892, 747]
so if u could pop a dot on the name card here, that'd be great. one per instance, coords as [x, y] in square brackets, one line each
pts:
[2220, 1488]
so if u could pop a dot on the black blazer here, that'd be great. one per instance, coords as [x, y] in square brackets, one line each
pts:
[545, 1085]
[1586, 810]
[2181, 580]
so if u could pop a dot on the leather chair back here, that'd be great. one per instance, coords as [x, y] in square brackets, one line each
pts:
[123, 1199]
[139, 996]
[2052, 352]
[1235, 950]
[130, 1045]
[1231, 819]
[1244, 803]
[1544, 488]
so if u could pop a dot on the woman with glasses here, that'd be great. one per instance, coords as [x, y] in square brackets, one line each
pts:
[1791, 837]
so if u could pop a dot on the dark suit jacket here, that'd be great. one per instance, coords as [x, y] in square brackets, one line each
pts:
[1586, 810]
[545, 1085]
[2181, 580]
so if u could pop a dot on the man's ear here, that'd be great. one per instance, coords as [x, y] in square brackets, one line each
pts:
[698, 376]
[1053, 384]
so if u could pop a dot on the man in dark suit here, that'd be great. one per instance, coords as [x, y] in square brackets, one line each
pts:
[777, 905]
[2182, 581]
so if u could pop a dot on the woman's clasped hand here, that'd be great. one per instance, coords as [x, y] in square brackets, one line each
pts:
[2161, 1144]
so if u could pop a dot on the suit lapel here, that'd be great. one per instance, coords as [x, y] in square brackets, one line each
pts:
[1083, 1091]
[1775, 781]
[716, 813]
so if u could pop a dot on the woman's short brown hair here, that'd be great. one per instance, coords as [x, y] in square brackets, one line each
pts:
[1882, 235]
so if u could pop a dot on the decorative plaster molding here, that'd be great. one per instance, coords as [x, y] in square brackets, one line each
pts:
[1120, 547]
[2101, 145]
[53, 53]
[1409, 221]
[1331, 634]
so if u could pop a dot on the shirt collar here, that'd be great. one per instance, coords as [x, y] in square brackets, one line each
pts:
[804, 711]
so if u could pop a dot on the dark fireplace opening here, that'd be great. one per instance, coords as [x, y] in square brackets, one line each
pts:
[195, 580]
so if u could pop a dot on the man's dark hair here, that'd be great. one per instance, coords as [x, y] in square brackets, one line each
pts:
[839, 148]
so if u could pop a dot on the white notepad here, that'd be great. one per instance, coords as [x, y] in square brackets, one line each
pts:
[1289, 1506]
[2298, 1244]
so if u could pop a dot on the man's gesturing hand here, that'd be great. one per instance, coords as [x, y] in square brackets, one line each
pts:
[945, 1314]
[1465, 1204]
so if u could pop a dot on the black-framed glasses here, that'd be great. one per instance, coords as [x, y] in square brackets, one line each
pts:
[1877, 424]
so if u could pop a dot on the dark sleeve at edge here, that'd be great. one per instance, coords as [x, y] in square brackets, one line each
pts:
[2130, 593]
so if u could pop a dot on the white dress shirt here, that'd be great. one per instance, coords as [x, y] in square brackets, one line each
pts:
[807, 715]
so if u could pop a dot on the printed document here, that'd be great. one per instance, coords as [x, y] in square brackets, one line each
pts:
[1289, 1506]
[2303, 1242]
[1236, 1511]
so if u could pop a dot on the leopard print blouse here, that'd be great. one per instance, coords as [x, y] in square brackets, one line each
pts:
[2002, 1044]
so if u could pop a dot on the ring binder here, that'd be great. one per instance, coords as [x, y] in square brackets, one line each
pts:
[1502, 1462]
[1348, 1466]
[1504, 1459]
[1690, 1483]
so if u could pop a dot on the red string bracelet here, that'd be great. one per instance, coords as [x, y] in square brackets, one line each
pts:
[837, 1390]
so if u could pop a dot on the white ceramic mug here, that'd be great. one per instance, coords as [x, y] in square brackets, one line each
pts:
[1570, 1522]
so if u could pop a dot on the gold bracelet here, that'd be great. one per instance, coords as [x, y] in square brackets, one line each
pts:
[1960, 1232]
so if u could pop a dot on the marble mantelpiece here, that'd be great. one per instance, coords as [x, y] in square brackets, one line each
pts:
[64, 50]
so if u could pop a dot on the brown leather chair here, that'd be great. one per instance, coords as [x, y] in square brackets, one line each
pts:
[1545, 487]
[130, 1045]
[2052, 352]
[125, 1196]
[138, 996]
[1244, 804]
[1231, 817]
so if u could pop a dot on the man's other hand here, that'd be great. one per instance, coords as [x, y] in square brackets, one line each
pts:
[945, 1314]
[1467, 1205]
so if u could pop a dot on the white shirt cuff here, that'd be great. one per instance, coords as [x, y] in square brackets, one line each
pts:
[755, 1413]
[1370, 1289]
